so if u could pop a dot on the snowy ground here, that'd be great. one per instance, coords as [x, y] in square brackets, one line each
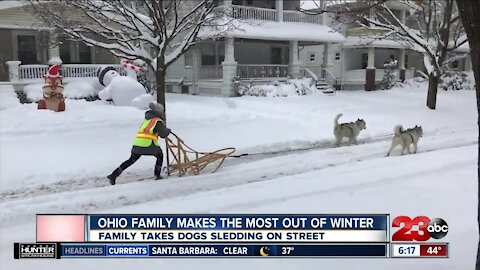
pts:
[51, 162]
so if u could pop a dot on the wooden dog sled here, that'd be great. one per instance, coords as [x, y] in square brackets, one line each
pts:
[188, 161]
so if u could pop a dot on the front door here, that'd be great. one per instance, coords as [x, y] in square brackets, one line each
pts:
[276, 56]
[27, 50]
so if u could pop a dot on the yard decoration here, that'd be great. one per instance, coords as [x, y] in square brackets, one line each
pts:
[123, 90]
[189, 161]
[52, 91]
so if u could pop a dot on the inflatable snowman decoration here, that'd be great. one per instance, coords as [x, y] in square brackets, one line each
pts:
[123, 90]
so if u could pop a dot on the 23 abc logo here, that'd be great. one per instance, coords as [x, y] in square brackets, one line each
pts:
[435, 228]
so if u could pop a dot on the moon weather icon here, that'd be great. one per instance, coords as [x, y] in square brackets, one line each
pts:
[264, 251]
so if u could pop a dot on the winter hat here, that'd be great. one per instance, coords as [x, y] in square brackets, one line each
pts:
[53, 71]
[101, 73]
[158, 109]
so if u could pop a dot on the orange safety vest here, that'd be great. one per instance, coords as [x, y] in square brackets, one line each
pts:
[145, 134]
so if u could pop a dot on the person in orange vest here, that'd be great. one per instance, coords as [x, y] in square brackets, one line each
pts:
[146, 142]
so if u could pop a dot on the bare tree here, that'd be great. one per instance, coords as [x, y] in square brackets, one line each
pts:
[157, 32]
[434, 28]
[471, 21]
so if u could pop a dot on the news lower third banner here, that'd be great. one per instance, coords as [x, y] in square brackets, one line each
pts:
[237, 228]
[116, 250]
[169, 236]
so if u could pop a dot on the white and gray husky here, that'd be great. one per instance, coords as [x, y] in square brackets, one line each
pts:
[347, 130]
[405, 138]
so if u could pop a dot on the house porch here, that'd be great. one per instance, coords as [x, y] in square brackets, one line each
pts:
[364, 68]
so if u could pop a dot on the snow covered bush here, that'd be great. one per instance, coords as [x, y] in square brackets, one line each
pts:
[455, 80]
[389, 78]
[292, 87]
[8, 97]
[82, 89]
[86, 88]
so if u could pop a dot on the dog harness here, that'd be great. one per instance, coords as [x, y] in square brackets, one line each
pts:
[346, 125]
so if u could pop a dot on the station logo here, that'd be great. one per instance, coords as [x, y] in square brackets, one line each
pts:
[420, 228]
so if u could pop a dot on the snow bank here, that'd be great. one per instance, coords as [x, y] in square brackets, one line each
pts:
[82, 88]
[293, 87]
[8, 97]
[34, 91]
[250, 124]
[73, 89]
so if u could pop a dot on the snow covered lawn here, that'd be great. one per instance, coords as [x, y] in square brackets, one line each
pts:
[56, 162]
[90, 139]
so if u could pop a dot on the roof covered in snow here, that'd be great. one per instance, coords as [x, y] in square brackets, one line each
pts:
[266, 30]
[360, 42]
[5, 4]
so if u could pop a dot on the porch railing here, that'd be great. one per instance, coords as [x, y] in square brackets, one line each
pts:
[299, 17]
[254, 13]
[27, 72]
[267, 14]
[262, 71]
[35, 72]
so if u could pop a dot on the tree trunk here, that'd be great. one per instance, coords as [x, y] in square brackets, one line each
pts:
[471, 22]
[160, 74]
[433, 82]
[160, 82]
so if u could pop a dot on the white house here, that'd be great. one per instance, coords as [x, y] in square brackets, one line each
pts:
[271, 41]
[358, 63]
[262, 47]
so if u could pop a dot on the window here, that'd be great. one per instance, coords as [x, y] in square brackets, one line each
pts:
[455, 64]
[188, 58]
[364, 60]
[276, 55]
[84, 53]
[312, 57]
[27, 52]
[406, 61]
[337, 57]
[65, 54]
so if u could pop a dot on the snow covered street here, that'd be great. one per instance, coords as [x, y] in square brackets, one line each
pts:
[56, 163]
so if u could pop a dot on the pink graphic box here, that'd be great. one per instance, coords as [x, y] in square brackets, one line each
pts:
[60, 228]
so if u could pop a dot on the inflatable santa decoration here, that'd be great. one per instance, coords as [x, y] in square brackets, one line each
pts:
[52, 91]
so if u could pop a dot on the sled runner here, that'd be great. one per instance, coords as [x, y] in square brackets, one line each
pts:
[188, 161]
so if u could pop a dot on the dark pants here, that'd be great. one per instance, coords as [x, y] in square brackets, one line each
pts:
[133, 158]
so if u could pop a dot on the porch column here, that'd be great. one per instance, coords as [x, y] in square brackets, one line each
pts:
[403, 16]
[13, 74]
[468, 63]
[403, 19]
[327, 59]
[227, 7]
[195, 69]
[229, 67]
[401, 65]
[322, 6]
[279, 6]
[54, 50]
[370, 71]
[294, 65]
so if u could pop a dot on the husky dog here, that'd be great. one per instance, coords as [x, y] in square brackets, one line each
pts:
[347, 130]
[405, 138]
